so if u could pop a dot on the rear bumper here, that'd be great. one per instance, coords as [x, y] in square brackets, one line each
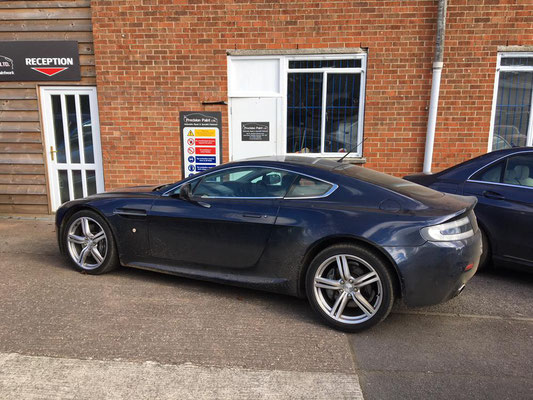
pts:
[435, 272]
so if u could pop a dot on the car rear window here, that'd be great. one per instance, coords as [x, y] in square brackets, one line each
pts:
[390, 182]
[305, 186]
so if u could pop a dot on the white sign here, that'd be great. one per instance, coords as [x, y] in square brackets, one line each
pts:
[200, 138]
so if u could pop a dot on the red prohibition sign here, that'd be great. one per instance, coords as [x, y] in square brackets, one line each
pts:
[190, 141]
[190, 150]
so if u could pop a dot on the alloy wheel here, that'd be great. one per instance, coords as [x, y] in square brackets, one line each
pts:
[348, 289]
[87, 243]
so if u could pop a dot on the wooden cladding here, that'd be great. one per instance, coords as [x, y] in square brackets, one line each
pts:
[22, 166]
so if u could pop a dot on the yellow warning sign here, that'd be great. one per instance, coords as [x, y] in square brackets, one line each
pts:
[190, 133]
[205, 132]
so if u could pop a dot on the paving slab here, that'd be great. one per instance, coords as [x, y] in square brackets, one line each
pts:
[33, 377]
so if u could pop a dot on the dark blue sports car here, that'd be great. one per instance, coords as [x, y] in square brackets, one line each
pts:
[503, 183]
[350, 239]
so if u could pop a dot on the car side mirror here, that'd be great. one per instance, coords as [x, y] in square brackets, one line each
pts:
[185, 192]
[186, 195]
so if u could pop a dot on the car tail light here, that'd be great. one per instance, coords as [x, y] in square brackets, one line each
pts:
[458, 229]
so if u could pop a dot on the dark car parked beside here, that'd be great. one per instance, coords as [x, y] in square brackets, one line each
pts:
[350, 239]
[503, 183]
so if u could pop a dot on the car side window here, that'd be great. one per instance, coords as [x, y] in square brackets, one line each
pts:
[304, 186]
[245, 182]
[491, 174]
[519, 170]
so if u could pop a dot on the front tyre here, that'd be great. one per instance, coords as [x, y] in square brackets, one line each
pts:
[88, 243]
[350, 287]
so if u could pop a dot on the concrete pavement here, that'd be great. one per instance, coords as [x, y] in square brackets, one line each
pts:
[141, 324]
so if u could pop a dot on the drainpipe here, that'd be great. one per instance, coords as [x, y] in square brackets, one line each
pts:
[435, 85]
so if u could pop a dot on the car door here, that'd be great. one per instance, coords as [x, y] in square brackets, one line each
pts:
[505, 208]
[226, 224]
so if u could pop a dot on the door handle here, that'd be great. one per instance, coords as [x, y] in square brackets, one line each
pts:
[493, 195]
[253, 216]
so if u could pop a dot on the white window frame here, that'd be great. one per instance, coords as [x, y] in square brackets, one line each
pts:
[283, 80]
[513, 68]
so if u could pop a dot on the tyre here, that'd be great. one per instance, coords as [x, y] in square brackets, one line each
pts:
[350, 287]
[485, 259]
[88, 243]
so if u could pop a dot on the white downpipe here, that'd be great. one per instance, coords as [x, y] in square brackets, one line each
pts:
[432, 117]
[435, 85]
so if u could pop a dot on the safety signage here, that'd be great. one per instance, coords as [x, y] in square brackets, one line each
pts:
[201, 141]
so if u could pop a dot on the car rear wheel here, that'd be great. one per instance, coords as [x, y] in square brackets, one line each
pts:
[485, 259]
[350, 287]
[88, 243]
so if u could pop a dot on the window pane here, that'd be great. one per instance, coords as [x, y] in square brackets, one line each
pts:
[245, 182]
[308, 187]
[91, 182]
[304, 112]
[517, 61]
[492, 174]
[58, 129]
[86, 124]
[519, 171]
[346, 63]
[513, 109]
[342, 112]
[77, 183]
[63, 186]
[72, 126]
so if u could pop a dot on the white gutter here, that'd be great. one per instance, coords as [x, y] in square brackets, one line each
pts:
[435, 86]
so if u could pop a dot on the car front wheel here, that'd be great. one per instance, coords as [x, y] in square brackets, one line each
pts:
[88, 243]
[350, 287]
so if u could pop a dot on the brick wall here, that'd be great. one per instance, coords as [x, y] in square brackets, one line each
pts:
[155, 58]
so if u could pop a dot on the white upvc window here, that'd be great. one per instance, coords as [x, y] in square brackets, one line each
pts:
[512, 106]
[324, 104]
[321, 102]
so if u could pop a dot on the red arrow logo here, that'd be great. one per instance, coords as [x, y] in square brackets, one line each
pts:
[49, 71]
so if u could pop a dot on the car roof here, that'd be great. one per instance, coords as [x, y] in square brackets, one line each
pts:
[296, 161]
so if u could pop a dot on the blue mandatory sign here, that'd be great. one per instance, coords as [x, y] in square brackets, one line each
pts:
[204, 159]
[191, 159]
[191, 167]
[200, 168]
[191, 175]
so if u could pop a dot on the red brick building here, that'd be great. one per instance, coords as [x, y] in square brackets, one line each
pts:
[325, 75]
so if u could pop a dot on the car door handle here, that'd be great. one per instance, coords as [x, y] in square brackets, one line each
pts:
[129, 212]
[253, 215]
[493, 195]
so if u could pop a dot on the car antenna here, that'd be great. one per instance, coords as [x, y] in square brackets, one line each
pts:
[352, 149]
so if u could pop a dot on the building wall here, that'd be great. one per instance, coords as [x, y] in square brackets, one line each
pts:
[23, 181]
[155, 58]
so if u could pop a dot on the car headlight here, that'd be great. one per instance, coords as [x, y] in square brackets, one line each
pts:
[454, 230]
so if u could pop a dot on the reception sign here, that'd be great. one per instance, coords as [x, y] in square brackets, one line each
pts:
[48, 61]
[201, 141]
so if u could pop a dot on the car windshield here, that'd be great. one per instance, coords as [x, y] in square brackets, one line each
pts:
[397, 185]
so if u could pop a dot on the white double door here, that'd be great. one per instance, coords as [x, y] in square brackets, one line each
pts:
[72, 140]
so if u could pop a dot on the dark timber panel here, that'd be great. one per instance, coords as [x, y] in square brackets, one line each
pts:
[22, 165]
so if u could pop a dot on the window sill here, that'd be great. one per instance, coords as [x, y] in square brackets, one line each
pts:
[352, 160]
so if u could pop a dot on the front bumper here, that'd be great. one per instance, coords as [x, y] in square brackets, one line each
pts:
[435, 272]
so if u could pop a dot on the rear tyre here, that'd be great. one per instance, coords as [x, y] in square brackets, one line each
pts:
[485, 259]
[88, 243]
[350, 287]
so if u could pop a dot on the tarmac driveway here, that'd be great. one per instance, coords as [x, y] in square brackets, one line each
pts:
[138, 334]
